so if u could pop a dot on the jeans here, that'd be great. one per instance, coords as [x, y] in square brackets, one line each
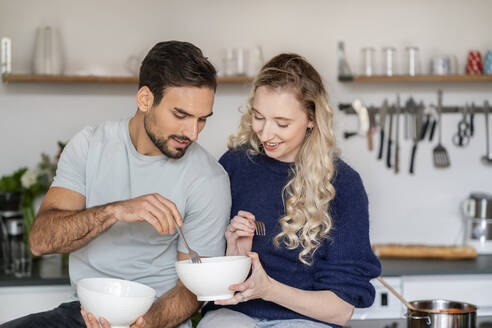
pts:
[67, 315]
[226, 318]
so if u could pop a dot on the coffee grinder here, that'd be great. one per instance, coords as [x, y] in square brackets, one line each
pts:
[477, 211]
[12, 247]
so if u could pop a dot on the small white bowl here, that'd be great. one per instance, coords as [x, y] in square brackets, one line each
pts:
[210, 280]
[119, 301]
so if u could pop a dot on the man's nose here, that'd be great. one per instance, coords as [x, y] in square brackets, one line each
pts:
[191, 130]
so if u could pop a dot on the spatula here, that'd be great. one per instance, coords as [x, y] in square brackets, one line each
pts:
[441, 158]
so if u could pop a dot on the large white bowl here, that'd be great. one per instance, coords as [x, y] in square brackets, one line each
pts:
[210, 280]
[119, 301]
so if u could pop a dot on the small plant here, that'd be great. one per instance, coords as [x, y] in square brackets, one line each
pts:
[31, 183]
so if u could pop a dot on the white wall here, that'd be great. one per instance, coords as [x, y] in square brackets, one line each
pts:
[98, 36]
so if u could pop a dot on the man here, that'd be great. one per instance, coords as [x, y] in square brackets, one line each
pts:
[121, 186]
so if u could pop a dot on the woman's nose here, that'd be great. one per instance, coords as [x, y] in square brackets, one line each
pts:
[267, 132]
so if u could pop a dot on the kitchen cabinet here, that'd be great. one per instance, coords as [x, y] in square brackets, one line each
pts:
[46, 288]
[388, 311]
[27, 78]
[20, 301]
[473, 288]
[468, 280]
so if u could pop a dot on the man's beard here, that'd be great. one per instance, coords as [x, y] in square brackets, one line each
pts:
[162, 144]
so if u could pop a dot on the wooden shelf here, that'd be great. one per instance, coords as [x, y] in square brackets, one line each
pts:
[27, 78]
[417, 78]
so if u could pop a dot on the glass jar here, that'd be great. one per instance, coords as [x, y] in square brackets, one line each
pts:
[367, 62]
[412, 62]
[389, 61]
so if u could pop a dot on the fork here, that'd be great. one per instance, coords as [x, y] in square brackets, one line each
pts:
[195, 258]
[260, 228]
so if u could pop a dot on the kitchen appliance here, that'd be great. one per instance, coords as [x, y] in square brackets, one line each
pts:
[436, 313]
[389, 312]
[448, 314]
[12, 240]
[477, 212]
[10, 203]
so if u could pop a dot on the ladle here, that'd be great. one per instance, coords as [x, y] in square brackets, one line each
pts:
[404, 301]
[487, 158]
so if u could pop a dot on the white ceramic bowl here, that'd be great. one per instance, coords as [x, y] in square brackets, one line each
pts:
[119, 301]
[210, 280]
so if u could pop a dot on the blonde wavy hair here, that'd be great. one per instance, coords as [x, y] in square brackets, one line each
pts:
[307, 195]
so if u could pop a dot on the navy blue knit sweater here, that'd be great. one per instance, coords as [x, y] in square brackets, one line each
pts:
[344, 264]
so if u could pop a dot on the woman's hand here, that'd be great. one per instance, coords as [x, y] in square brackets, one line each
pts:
[239, 234]
[258, 285]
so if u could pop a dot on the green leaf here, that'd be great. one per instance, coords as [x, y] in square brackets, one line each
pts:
[12, 182]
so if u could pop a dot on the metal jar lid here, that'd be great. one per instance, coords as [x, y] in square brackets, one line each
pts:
[15, 226]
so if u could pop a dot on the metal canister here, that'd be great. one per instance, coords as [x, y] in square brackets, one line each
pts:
[482, 205]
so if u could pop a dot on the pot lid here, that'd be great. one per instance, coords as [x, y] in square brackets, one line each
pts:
[480, 196]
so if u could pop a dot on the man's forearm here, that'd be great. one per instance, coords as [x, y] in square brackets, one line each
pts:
[172, 308]
[63, 231]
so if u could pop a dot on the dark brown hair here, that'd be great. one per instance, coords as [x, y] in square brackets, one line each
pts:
[175, 64]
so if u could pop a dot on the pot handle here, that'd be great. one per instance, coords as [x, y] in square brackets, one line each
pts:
[411, 316]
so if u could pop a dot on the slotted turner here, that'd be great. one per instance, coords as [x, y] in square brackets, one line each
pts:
[440, 154]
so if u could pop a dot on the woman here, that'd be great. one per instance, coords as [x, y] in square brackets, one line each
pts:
[315, 262]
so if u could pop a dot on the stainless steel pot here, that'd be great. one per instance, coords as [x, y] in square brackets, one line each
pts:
[453, 314]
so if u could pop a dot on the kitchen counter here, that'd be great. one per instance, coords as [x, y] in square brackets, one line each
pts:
[46, 270]
[482, 264]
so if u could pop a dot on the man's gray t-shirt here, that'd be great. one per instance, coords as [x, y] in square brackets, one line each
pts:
[102, 164]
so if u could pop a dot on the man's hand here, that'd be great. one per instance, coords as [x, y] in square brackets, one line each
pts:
[92, 322]
[160, 212]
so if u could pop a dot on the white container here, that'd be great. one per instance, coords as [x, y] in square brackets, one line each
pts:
[47, 56]
[210, 280]
[412, 67]
[119, 301]
[389, 61]
[367, 62]
[5, 56]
